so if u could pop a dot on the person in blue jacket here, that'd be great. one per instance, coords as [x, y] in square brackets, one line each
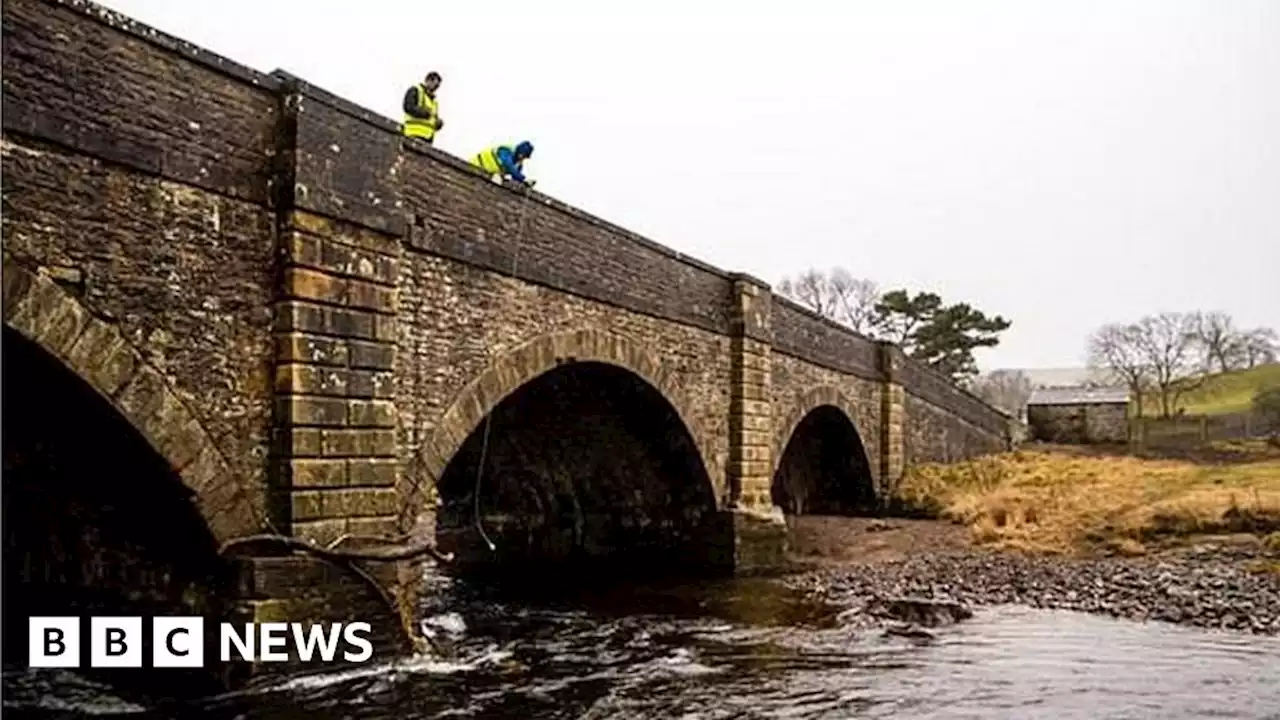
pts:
[505, 161]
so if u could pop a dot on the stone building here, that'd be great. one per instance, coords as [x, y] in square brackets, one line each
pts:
[1079, 415]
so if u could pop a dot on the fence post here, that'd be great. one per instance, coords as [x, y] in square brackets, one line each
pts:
[1204, 428]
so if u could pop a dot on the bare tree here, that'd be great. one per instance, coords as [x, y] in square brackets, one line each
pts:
[1008, 390]
[1116, 347]
[1258, 347]
[1219, 338]
[812, 289]
[857, 298]
[1169, 346]
[836, 295]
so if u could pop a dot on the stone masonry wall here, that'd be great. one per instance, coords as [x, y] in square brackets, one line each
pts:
[1107, 423]
[156, 222]
[799, 387]
[1079, 424]
[935, 435]
[457, 321]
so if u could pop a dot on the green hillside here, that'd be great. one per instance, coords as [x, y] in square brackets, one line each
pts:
[1223, 393]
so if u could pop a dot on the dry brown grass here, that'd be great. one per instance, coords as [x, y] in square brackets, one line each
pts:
[1062, 501]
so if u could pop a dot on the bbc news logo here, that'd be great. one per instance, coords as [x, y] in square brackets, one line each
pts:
[178, 642]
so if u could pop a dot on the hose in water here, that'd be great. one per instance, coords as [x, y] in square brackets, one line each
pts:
[488, 419]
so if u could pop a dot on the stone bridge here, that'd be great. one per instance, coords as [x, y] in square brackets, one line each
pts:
[235, 304]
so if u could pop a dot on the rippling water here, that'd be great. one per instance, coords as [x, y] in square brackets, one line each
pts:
[750, 649]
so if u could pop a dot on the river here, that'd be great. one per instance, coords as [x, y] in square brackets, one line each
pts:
[744, 649]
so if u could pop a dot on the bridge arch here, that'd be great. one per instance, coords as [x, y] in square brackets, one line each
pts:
[821, 462]
[613, 404]
[51, 318]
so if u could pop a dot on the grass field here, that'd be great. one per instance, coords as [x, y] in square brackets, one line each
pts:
[1222, 394]
[1065, 500]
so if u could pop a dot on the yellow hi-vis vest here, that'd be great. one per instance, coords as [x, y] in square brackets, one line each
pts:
[487, 160]
[422, 127]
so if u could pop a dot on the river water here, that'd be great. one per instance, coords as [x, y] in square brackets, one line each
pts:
[742, 649]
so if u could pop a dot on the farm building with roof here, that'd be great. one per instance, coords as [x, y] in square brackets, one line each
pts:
[1079, 415]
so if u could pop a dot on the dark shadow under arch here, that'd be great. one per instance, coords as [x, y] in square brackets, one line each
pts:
[95, 521]
[824, 469]
[588, 469]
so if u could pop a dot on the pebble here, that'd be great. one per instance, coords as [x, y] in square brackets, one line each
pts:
[1204, 587]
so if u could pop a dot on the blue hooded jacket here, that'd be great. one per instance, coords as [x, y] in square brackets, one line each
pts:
[507, 159]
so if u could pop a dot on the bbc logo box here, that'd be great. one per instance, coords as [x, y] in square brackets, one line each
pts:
[115, 642]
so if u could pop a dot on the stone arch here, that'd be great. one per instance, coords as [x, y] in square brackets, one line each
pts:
[531, 360]
[826, 396]
[38, 308]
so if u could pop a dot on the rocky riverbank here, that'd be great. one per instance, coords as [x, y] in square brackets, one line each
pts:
[1223, 585]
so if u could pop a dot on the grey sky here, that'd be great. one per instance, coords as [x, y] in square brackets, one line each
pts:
[1064, 164]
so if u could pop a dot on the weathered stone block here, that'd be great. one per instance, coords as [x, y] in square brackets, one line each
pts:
[369, 296]
[208, 468]
[367, 384]
[174, 431]
[743, 467]
[358, 443]
[297, 347]
[384, 327]
[296, 316]
[300, 379]
[300, 442]
[754, 361]
[760, 540]
[754, 437]
[757, 394]
[65, 327]
[310, 472]
[95, 351]
[373, 527]
[343, 503]
[371, 413]
[315, 224]
[301, 410]
[142, 396]
[17, 283]
[227, 510]
[372, 472]
[302, 249]
[315, 285]
[371, 355]
[347, 260]
[36, 308]
[352, 323]
[320, 532]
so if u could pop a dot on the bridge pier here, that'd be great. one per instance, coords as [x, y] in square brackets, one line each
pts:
[301, 589]
[758, 527]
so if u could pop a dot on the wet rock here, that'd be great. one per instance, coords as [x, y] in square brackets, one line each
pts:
[1212, 588]
[919, 611]
[912, 632]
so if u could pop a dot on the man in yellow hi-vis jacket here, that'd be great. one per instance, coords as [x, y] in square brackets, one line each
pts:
[422, 110]
[505, 161]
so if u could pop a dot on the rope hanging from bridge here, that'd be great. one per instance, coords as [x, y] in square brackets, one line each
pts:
[488, 418]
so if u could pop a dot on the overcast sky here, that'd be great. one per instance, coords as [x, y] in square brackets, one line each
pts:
[1063, 164]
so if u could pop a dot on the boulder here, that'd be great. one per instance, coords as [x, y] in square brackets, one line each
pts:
[919, 611]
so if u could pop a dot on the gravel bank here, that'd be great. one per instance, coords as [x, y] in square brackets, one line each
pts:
[1205, 586]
